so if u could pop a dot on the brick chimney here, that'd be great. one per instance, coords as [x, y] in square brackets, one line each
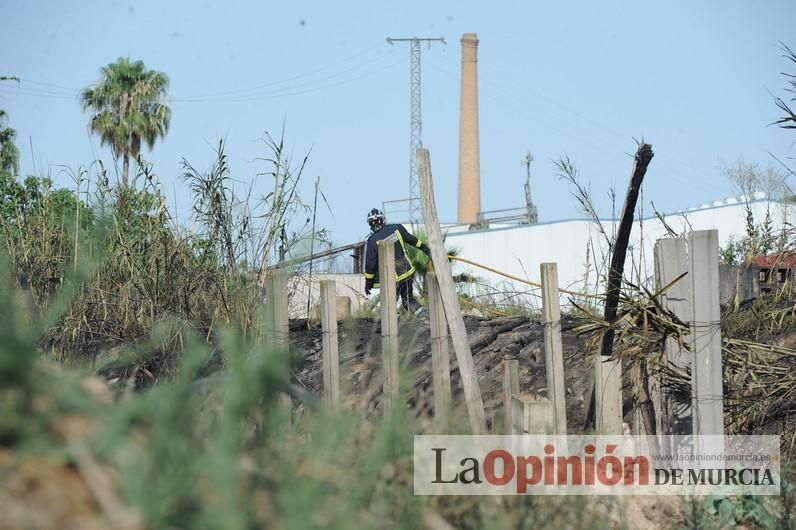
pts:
[469, 161]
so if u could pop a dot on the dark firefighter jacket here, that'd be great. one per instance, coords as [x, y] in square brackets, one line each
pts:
[404, 268]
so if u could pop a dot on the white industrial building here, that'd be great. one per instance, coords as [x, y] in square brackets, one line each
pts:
[577, 246]
[581, 250]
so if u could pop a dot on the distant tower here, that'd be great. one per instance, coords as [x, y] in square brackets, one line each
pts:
[416, 122]
[469, 162]
[533, 214]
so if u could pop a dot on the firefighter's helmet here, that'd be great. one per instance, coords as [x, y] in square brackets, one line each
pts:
[375, 219]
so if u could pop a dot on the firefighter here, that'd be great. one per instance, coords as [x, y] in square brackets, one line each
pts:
[404, 268]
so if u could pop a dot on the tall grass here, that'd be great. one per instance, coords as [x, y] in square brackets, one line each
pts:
[220, 451]
[148, 268]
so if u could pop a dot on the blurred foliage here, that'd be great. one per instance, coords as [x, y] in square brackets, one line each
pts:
[222, 451]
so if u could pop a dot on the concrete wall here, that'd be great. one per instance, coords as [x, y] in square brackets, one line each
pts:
[737, 284]
[301, 286]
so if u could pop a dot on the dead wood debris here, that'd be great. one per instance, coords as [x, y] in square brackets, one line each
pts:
[759, 377]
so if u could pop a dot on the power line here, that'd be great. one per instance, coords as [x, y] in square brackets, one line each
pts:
[35, 92]
[581, 116]
[610, 148]
[255, 93]
[309, 73]
[50, 85]
[54, 90]
[276, 95]
[286, 92]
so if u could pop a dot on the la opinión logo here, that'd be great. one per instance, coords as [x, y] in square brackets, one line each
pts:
[500, 467]
[595, 465]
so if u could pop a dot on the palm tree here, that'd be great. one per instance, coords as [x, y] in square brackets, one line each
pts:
[127, 107]
[421, 261]
[9, 154]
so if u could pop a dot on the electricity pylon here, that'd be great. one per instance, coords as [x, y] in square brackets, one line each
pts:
[416, 122]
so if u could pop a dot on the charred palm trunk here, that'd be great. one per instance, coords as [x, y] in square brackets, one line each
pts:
[640, 384]
[641, 161]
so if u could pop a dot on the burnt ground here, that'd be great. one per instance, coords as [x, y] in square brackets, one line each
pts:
[491, 341]
[55, 493]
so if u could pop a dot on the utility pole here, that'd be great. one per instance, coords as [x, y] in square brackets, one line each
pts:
[533, 214]
[416, 123]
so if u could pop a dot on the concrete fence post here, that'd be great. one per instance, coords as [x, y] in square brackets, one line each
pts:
[389, 322]
[706, 373]
[511, 387]
[524, 414]
[440, 348]
[608, 395]
[277, 322]
[671, 261]
[553, 347]
[532, 415]
[331, 356]
[277, 308]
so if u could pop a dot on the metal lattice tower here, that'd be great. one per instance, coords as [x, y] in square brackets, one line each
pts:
[416, 121]
[533, 213]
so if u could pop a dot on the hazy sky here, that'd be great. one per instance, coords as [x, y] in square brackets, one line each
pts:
[577, 79]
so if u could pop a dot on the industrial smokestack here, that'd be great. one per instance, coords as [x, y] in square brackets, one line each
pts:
[469, 161]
